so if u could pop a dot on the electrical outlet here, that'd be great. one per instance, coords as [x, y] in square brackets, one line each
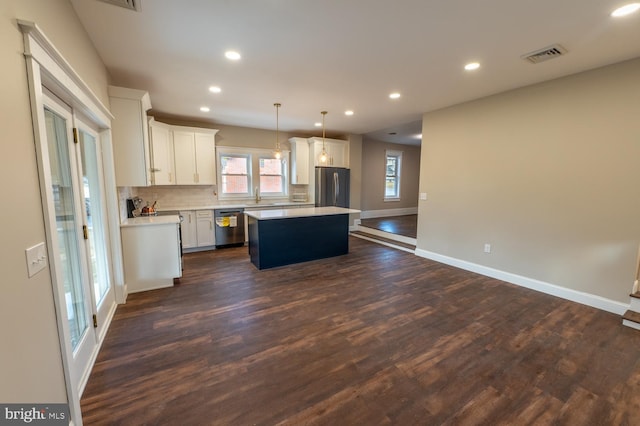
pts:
[487, 248]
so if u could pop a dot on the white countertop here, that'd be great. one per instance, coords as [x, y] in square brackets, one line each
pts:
[151, 220]
[299, 212]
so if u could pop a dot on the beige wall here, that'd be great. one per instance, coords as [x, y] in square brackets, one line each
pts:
[355, 165]
[30, 357]
[547, 174]
[373, 181]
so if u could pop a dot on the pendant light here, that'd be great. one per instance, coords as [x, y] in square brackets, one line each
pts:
[323, 154]
[277, 153]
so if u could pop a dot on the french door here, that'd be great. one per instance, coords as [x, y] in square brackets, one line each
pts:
[80, 241]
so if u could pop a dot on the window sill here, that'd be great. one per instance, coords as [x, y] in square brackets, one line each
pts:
[391, 200]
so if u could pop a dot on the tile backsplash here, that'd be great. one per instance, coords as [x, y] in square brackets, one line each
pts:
[177, 197]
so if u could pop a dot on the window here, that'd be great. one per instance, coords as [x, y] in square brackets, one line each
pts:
[235, 173]
[243, 172]
[271, 176]
[393, 167]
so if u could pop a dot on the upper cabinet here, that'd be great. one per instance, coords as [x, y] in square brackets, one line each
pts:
[195, 158]
[162, 162]
[130, 136]
[337, 152]
[300, 161]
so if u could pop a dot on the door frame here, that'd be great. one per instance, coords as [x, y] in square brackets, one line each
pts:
[103, 311]
[47, 67]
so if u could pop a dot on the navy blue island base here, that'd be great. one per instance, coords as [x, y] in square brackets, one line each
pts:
[283, 241]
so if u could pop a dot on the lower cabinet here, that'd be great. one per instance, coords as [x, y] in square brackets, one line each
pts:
[205, 230]
[197, 229]
[151, 256]
[189, 234]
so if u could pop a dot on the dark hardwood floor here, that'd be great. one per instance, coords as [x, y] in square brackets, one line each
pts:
[406, 225]
[378, 336]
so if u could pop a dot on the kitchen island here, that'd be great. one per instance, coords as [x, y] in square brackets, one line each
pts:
[285, 236]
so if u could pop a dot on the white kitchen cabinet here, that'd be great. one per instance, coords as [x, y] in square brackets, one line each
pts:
[197, 229]
[195, 159]
[189, 229]
[162, 162]
[300, 161]
[337, 152]
[130, 136]
[205, 229]
[151, 252]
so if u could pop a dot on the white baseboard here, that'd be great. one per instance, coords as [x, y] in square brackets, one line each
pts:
[384, 243]
[631, 324]
[368, 214]
[555, 290]
[389, 235]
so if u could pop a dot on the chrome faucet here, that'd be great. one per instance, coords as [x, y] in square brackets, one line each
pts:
[257, 194]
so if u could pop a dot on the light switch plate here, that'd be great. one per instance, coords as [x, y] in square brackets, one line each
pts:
[36, 259]
[423, 195]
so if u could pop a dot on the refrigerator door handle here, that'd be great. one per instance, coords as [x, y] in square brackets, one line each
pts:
[336, 188]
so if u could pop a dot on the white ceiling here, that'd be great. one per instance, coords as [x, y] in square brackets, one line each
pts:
[336, 55]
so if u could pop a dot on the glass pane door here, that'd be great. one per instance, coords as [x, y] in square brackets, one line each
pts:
[67, 225]
[92, 195]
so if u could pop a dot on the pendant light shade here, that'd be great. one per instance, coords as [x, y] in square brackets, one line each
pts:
[323, 154]
[278, 152]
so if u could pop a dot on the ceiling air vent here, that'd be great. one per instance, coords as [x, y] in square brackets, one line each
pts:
[545, 54]
[127, 4]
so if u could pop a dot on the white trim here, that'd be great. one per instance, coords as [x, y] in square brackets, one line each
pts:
[555, 290]
[368, 214]
[47, 67]
[94, 355]
[389, 235]
[631, 324]
[384, 243]
[40, 48]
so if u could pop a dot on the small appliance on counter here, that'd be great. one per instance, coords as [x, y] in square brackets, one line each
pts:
[149, 210]
[134, 210]
[133, 206]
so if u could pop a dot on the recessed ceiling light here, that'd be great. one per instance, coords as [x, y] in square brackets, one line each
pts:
[215, 89]
[626, 10]
[348, 112]
[472, 66]
[318, 124]
[395, 95]
[204, 109]
[233, 55]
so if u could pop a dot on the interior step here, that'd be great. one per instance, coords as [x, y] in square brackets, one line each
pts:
[631, 319]
[377, 238]
[636, 295]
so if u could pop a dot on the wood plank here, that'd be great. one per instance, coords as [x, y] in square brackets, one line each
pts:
[378, 336]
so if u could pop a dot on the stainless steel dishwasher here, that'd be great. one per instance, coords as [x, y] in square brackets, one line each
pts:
[229, 227]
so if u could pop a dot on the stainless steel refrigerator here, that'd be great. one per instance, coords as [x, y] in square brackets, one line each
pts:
[332, 187]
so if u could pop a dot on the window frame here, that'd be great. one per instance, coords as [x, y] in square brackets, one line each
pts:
[254, 155]
[397, 176]
[283, 173]
[221, 175]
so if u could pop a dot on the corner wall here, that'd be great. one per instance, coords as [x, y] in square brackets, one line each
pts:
[547, 174]
[373, 184]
